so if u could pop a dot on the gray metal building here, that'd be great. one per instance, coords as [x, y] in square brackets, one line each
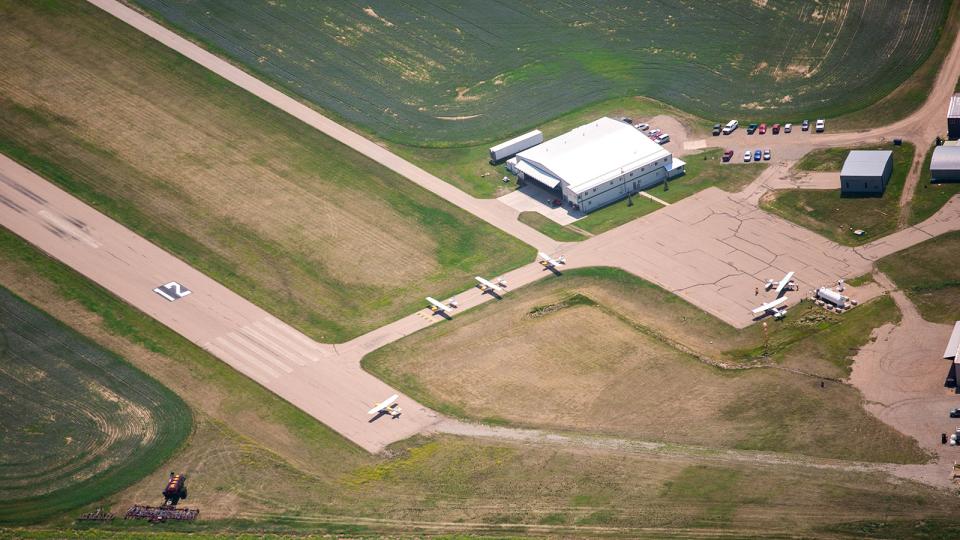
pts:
[866, 172]
[945, 164]
[953, 118]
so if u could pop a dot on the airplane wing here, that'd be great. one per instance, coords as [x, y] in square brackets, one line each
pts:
[769, 305]
[784, 282]
[488, 284]
[383, 404]
[440, 306]
[544, 257]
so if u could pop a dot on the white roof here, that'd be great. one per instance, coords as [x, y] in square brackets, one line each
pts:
[542, 176]
[593, 153]
[954, 344]
[519, 138]
[866, 163]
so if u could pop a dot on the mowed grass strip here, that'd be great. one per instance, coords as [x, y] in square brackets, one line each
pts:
[78, 422]
[571, 355]
[428, 76]
[929, 275]
[314, 233]
[550, 228]
[825, 212]
[294, 476]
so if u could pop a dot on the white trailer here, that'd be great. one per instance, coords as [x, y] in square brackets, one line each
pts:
[832, 296]
[516, 145]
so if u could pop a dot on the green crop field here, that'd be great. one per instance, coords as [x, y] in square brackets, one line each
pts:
[449, 74]
[316, 234]
[77, 422]
[825, 212]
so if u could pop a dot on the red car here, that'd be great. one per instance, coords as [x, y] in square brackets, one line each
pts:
[728, 155]
[776, 129]
[763, 129]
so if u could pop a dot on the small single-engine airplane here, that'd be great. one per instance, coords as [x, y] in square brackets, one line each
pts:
[497, 286]
[439, 307]
[772, 308]
[785, 284]
[549, 262]
[387, 406]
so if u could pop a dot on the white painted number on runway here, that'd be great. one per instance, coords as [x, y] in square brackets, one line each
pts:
[172, 291]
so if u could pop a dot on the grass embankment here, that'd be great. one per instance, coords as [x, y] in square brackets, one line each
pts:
[928, 273]
[318, 235]
[550, 228]
[255, 454]
[835, 217]
[928, 198]
[79, 423]
[423, 77]
[572, 351]
[703, 170]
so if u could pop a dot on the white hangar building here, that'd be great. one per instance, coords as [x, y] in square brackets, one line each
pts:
[597, 164]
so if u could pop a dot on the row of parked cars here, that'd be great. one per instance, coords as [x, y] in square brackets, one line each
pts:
[756, 155]
[656, 135]
[732, 126]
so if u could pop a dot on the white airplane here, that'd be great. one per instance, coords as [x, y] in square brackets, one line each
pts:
[439, 307]
[497, 286]
[784, 284]
[387, 406]
[549, 262]
[773, 308]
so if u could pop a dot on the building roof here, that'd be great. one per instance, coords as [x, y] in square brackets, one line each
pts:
[519, 138]
[866, 163]
[954, 344]
[594, 153]
[953, 111]
[945, 158]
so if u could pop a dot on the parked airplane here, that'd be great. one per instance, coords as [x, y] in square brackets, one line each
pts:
[784, 284]
[549, 262]
[387, 406]
[772, 308]
[498, 286]
[439, 307]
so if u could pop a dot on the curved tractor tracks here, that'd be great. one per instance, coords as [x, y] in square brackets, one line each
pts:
[326, 380]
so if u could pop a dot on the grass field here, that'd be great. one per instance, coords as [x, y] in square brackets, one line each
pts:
[259, 466]
[318, 235]
[928, 276]
[835, 217]
[570, 355]
[78, 422]
[550, 227]
[929, 198]
[431, 75]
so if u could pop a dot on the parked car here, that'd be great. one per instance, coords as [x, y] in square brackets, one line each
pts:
[821, 125]
[728, 155]
[766, 155]
[955, 413]
[654, 132]
[746, 157]
[627, 120]
[642, 127]
[776, 129]
[787, 128]
[730, 127]
[763, 128]
[717, 128]
[751, 128]
[757, 155]
[662, 139]
[805, 125]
